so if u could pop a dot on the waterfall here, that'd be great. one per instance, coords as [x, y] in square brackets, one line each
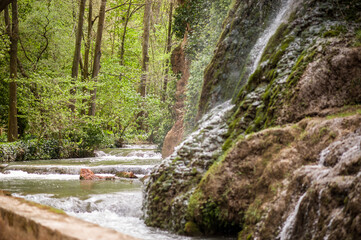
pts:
[190, 160]
[291, 220]
[259, 47]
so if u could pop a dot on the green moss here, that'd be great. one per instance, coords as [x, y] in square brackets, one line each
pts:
[156, 199]
[358, 38]
[253, 213]
[300, 66]
[192, 229]
[335, 31]
[348, 111]
[272, 44]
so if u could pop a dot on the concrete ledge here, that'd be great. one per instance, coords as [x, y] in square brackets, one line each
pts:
[23, 220]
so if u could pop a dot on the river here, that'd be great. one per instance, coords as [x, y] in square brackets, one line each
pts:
[114, 204]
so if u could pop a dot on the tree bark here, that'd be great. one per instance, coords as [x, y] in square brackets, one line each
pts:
[97, 55]
[76, 58]
[14, 36]
[85, 71]
[145, 47]
[4, 4]
[168, 49]
[88, 42]
[122, 43]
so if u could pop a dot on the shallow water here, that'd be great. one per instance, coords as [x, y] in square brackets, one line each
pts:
[113, 204]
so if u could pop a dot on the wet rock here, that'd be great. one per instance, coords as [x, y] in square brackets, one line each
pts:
[87, 174]
[126, 175]
[100, 154]
[144, 178]
[172, 182]
[3, 166]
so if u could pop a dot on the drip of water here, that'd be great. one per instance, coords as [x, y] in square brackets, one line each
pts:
[259, 47]
[290, 222]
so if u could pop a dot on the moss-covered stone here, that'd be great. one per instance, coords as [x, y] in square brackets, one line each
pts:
[291, 83]
[192, 229]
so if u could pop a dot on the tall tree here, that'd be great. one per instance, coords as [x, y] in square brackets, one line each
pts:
[88, 41]
[85, 71]
[145, 46]
[168, 49]
[97, 55]
[4, 4]
[14, 36]
[76, 58]
[122, 43]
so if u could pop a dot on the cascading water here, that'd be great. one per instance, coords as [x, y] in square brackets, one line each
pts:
[190, 161]
[291, 220]
[193, 157]
[113, 204]
[256, 52]
[254, 57]
[339, 159]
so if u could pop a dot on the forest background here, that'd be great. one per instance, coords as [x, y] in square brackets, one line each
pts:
[64, 92]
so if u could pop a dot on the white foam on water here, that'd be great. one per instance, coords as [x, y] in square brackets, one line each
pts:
[259, 47]
[17, 174]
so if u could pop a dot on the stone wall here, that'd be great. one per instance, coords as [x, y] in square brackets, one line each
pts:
[23, 220]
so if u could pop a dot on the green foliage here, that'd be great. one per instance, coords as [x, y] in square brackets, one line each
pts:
[46, 49]
[202, 40]
[40, 149]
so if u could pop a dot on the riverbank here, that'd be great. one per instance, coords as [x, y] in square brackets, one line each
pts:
[21, 219]
[43, 149]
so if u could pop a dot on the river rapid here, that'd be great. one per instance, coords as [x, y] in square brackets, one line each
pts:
[115, 204]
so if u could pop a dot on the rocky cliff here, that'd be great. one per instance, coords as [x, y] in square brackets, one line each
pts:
[289, 165]
[180, 65]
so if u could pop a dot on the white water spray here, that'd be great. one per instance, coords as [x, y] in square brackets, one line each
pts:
[259, 47]
[290, 222]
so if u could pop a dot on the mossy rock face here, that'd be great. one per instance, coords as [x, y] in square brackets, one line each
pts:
[257, 184]
[305, 71]
[316, 35]
[242, 27]
[170, 184]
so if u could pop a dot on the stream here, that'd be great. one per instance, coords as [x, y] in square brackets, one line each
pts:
[114, 204]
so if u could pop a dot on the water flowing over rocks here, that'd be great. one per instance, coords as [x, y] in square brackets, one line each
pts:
[112, 204]
[170, 184]
[271, 184]
[290, 165]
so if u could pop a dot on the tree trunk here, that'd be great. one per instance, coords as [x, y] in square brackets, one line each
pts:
[97, 54]
[88, 41]
[87, 51]
[4, 4]
[122, 43]
[76, 59]
[168, 48]
[14, 36]
[145, 47]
